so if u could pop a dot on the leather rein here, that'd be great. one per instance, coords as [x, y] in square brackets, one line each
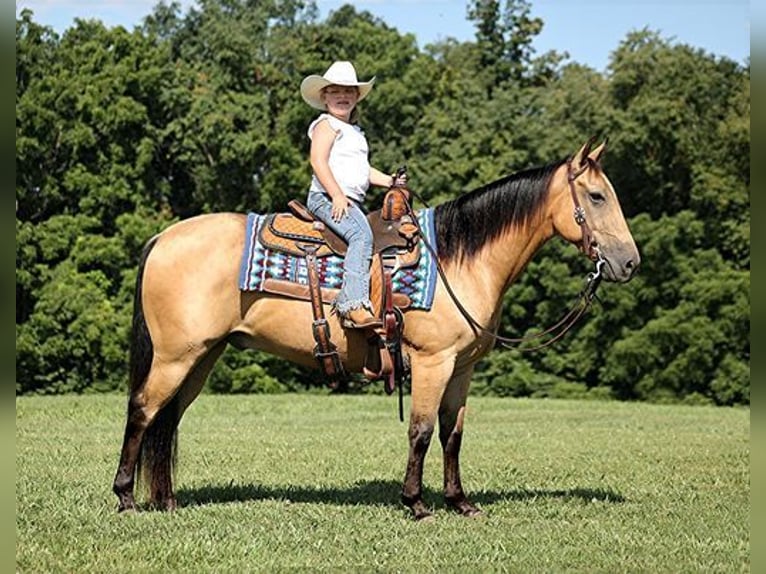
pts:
[588, 246]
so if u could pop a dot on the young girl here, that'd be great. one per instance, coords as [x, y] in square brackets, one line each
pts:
[341, 176]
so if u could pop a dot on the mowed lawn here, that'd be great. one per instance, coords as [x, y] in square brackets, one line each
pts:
[311, 483]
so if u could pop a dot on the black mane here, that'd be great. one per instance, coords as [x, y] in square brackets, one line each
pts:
[464, 225]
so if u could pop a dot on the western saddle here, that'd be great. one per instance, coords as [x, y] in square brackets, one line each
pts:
[396, 245]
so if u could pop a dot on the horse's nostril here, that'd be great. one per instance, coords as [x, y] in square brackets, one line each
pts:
[631, 266]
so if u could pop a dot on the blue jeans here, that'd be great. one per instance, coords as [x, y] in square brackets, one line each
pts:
[355, 229]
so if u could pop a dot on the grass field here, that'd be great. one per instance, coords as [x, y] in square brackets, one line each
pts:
[311, 483]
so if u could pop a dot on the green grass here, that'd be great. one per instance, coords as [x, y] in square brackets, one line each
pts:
[311, 483]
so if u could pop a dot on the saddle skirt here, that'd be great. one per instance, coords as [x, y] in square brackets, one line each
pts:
[273, 260]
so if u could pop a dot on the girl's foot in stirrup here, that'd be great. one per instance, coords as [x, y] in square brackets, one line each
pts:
[361, 319]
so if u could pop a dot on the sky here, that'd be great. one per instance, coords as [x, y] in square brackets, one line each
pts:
[588, 30]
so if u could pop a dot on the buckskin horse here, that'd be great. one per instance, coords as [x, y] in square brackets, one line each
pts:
[188, 307]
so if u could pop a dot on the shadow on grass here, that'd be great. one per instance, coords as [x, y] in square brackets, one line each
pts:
[374, 493]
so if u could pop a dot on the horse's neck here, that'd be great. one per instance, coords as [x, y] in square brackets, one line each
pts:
[513, 250]
[488, 275]
[520, 250]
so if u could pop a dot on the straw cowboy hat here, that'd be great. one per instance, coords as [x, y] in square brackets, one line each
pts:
[340, 74]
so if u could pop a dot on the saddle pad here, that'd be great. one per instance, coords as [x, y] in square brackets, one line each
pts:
[260, 263]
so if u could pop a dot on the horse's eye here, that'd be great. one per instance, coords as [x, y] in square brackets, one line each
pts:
[596, 197]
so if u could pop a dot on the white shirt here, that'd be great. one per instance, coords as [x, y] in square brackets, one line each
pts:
[349, 160]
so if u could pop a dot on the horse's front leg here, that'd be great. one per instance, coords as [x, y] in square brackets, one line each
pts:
[429, 379]
[451, 415]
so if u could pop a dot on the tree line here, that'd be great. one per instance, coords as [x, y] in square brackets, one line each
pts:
[121, 132]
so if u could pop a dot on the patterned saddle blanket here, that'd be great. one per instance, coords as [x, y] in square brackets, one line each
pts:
[263, 265]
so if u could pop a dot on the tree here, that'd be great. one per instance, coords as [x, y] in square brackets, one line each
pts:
[671, 104]
[120, 133]
[504, 39]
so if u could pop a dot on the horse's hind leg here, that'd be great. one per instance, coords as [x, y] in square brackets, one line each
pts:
[197, 377]
[451, 414]
[160, 454]
[151, 425]
[153, 416]
[124, 480]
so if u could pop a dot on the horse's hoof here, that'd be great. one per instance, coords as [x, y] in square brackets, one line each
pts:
[420, 512]
[164, 505]
[464, 508]
[127, 505]
[472, 513]
[127, 509]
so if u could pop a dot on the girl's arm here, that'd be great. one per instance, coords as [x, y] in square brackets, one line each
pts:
[380, 179]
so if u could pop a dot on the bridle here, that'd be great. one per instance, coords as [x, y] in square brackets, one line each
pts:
[588, 246]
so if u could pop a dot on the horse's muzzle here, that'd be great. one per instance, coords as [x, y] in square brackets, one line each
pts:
[620, 268]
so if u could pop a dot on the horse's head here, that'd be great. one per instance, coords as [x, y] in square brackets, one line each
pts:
[588, 213]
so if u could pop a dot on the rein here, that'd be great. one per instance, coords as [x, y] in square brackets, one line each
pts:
[588, 246]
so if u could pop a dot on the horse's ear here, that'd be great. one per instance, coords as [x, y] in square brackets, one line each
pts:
[582, 155]
[597, 153]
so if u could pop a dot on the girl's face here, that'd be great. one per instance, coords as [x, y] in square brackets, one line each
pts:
[340, 100]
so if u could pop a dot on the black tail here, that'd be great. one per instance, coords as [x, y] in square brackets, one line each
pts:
[157, 455]
[141, 349]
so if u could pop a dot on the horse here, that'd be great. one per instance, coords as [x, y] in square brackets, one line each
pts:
[188, 308]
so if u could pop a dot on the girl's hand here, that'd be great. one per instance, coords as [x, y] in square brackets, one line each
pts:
[340, 207]
[399, 180]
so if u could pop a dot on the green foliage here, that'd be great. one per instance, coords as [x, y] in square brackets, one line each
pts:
[683, 138]
[257, 372]
[697, 322]
[249, 378]
[119, 133]
[73, 340]
[504, 37]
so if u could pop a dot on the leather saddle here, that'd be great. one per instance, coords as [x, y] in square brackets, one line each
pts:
[396, 245]
[393, 233]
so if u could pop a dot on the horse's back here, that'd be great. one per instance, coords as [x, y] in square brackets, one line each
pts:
[204, 230]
